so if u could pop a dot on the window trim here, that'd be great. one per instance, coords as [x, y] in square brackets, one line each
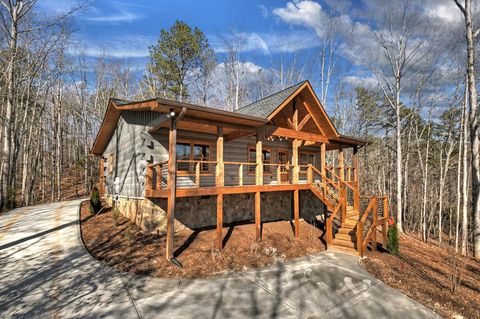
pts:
[308, 153]
[253, 147]
[192, 143]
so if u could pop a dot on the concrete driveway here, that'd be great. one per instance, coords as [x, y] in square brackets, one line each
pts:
[45, 272]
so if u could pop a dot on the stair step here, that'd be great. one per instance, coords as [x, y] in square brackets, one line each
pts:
[348, 226]
[347, 237]
[343, 243]
[343, 250]
[347, 231]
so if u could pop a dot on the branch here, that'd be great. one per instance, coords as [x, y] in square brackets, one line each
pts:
[460, 7]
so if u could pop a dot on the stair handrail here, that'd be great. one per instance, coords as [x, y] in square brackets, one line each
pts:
[361, 241]
[342, 204]
[354, 188]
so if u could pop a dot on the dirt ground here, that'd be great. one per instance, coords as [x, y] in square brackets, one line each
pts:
[126, 248]
[424, 272]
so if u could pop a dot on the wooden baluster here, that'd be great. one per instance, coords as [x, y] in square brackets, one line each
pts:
[329, 232]
[197, 174]
[360, 238]
[279, 174]
[148, 180]
[385, 217]
[309, 174]
[240, 175]
[159, 177]
[343, 198]
[374, 224]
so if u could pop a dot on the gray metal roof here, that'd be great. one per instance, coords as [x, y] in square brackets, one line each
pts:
[264, 107]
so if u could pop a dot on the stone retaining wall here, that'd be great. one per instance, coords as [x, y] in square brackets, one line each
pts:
[199, 212]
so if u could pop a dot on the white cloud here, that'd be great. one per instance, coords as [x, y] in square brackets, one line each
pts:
[266, 43]
[121, 16]
[304, 13]
[263, 10]
[368, 82]
[122, 46]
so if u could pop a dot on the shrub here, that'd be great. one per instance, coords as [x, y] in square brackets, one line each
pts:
[393, 241]
[95, 202]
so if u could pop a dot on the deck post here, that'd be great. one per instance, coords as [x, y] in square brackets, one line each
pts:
[172, 181]
[101, 181]
[356, 200]
[171, 186]
[219, 182]
[258, 181]
[341, 164]
[296, 212]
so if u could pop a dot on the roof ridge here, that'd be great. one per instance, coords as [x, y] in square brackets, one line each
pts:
[273, 94]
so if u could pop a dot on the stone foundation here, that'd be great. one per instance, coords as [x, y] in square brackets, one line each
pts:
[199, 212]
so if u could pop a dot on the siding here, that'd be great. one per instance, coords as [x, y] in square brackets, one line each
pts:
[133, 148]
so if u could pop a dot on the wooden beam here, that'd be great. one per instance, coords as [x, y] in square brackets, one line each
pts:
[259, 159]
[323, 153]
[101, 181]
[295, 115]
[220, 170]
[258, 218]
[237, 134]
[296, 213]
[304, 121]
[172, 182]
[247, 128]
[158, 123]
[341, 164]
[309, 110]
[296, 168]
[219, 182]
[219, 241]
[285, 132]
[227, 190]
[356, 199]
[171, 188]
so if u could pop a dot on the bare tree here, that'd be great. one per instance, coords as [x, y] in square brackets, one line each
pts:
[474, 120]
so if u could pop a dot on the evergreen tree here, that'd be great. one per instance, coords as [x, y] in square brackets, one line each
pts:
[180, 54]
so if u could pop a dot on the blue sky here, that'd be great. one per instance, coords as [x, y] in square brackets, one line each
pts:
[123, 30]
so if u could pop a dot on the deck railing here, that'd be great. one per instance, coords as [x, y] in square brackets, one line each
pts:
[199, 173]
[374, 215]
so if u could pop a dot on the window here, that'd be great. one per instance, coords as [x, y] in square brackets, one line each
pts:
[252, 158]
[282, 158]
[192, 151]
[307, 158]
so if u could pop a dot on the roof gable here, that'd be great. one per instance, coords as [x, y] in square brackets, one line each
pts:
[274, 105]
[266, 106]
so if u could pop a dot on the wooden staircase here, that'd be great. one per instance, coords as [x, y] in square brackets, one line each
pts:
[345, 239]
[349, 227]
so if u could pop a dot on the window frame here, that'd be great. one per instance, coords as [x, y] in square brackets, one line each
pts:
[308, 153]
[192, 143]
[251, 168]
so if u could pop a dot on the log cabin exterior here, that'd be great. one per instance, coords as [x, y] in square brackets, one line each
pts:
[170, 165]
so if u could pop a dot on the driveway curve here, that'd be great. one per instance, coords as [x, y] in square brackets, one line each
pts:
[45, 272]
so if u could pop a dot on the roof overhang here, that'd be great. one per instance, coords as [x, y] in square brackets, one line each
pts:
[203, 117]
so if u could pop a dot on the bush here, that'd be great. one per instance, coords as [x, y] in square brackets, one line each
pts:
[95, 202]
[393, 241]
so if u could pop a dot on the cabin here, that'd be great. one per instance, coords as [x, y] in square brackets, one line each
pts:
[167, 165]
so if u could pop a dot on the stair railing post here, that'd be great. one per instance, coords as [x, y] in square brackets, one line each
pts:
[309, 174]
[343, 198]
[360, 238]
[329, 231]
[374, 224]
[385, 218]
